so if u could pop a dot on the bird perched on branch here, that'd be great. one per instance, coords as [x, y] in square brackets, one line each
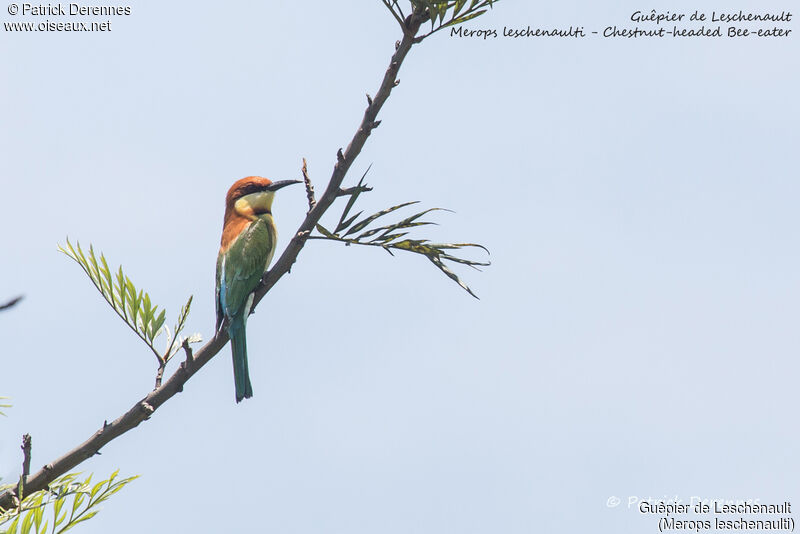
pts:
[248, 243]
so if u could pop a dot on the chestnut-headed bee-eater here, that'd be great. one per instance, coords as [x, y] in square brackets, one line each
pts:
[248, 243]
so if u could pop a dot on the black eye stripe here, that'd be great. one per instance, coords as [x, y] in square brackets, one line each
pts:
[250, 188]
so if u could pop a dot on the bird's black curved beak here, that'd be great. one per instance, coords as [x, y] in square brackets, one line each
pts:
[274, 186]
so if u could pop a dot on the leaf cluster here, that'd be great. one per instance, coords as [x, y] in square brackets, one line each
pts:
[29, 516]
[447, 13]
[133, 305]
[354, 231]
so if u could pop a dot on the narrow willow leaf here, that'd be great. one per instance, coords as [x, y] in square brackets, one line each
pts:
[147, 309]
[56, 509]
[27, 523]
[133, 308]
[321, 229]
[83, 259]
[361, 225]
[38, 515]
[12, 528]
[95, 266]
[76, 503]
[360, 188]
[471, 263]
[459, 245]
[391, 227]
[413, 245]
[96, 489]
[107, 275]
[121, 292]
[388, 238]
[159, 322]
[464, 18]
[344, 224]
[436, 261]
[443, 11]
[81, 519]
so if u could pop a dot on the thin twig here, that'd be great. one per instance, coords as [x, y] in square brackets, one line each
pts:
[26, 455]
[309, 188]
[11, 303]
[394, 14]
[160, 374]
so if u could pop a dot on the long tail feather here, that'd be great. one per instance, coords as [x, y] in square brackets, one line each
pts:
[241, 373]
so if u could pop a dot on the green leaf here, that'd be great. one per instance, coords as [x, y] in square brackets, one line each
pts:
[38, 514]
[360, 188]
[436, 261]
[77, 501]
[464, 19]
[81, 519]
[344, 224]
[122, 292]
[387, 238]
[12, 528]
[159, 322]
[27, 523]
[321, 229]
[56, 509]
[361, 225]
[96, 488]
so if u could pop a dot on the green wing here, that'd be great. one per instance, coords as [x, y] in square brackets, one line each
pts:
[241, 267]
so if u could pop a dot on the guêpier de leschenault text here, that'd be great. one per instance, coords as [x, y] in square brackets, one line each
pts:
[697, 24]
[773, 516]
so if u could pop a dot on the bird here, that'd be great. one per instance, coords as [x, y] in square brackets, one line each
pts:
[248, 243]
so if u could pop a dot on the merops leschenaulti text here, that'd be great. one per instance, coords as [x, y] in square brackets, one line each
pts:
[248, 244]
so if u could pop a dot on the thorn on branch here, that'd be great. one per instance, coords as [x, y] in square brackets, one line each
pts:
[376, 124]
[26, 455]
[353, 190]
[340, 156]
[147, 409]
[160, 373]
[396, 82]
[188, 350]
[369, 99]
[397, 45]
[105, 424]
[312, 201]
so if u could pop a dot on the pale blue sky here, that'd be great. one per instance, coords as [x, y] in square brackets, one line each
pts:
[636, 334]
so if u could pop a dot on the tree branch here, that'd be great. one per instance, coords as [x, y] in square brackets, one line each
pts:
[139, 412]
[11, 303]
[145, 407]
[344, 159]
